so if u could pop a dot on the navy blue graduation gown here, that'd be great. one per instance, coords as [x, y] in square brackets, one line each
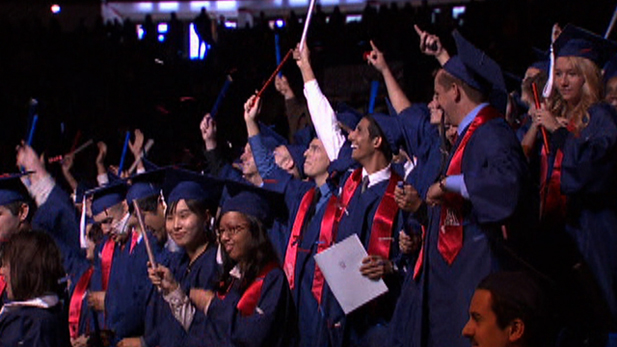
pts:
[366, 325]
[306, 305]
[423, 142]
[588, 179]
[272, 324]
[498, 182]
[124, 300]
[202, 273]
[33, 326]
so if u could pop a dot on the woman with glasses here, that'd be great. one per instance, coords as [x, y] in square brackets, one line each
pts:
[252, 304]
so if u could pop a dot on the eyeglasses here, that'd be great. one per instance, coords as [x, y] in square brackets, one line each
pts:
[233, 230]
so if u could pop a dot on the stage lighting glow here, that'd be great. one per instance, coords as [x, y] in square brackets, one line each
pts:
[55, 9]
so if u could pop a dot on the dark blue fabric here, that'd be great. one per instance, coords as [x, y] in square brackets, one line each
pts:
[274, 325]
[202, 273]
[31, 326]
[423, 142]
[368, 322]
[497, 178]
[588, 176]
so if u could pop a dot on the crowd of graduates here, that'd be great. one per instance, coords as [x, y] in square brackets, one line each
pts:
[490, 215]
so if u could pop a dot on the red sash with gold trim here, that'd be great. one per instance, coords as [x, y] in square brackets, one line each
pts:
[450, 241]
[250, 298]
[76, 302]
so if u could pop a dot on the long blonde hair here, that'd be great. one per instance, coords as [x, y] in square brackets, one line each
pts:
[591, 93]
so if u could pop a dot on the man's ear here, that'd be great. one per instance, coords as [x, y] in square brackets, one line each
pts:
[24, 211]
[377, 141]
[456, 89]
[517, 330]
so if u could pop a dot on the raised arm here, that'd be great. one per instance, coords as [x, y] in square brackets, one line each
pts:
[322, 114]
[431, 45]
[395, 93]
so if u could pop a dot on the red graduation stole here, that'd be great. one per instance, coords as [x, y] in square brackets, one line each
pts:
[553, 202]
[76, 302]
[450, 239]
[248, 301]
[134, 240]
[327, 235]
[107, 255]
[418, 267]
[289, 266]
[2, 285]
[381, 231]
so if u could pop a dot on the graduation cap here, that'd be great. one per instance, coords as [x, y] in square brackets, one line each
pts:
[578, 42]
[145, 185]
[348, 115]
[107, 196]
[542, 60]
[12, 189]
[188, 185]
[610, 69]
[304, 136]
[391, 128]
[270, 138]
[263, 204]
[478, 70]
[297, 154]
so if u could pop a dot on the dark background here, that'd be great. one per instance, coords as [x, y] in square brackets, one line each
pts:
[98, 80]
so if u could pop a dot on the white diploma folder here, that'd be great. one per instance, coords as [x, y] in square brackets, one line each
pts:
[340, 265]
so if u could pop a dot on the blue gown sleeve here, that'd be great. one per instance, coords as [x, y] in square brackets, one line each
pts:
[58, 217]
[589, 159]
[495, 172]
[273, 323]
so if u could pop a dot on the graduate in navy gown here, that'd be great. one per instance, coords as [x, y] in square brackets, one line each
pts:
[580, 185]
[193, 200]
[366, 194]
[33, 314]
[307, 203]
[120, 272]
[252, 305]
[476, 204]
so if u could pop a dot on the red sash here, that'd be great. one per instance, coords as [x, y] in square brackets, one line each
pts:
[553, 202]
[248, 301]
[294, 240]
[450, 239]
[381, 231]
[2, 285]
[418, 267]
[76, 302]
[134, 240]
[107, 255]
[329, 226]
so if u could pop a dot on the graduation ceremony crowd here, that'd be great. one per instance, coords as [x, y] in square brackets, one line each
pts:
[489, 214]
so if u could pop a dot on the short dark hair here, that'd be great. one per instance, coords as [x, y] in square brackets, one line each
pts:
[35, 265]
[149, 203]
[446, 79]
[517, 295]
[374, 130]
[14, 207]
